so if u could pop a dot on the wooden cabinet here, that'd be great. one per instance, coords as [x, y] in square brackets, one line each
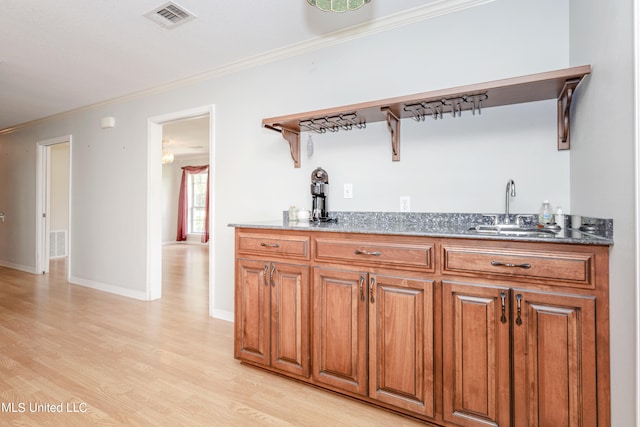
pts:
[401, 343]
[272, 304]
[272, 315]
[373, 335]
[339, 331]
[476, 360]
[253, 312]
[552, 352]
[373, 331]
[515, 347]
[455, 332]
[554, 359]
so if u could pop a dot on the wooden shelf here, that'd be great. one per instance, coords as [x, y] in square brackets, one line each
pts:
[559, 85]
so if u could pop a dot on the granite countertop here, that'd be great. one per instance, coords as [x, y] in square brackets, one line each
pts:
[454, 225]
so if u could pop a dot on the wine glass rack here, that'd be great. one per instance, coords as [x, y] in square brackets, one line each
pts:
[438, 104]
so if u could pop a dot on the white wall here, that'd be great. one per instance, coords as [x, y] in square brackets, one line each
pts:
[602, 169]
[457, 164]
[18, 200]
[59, 182]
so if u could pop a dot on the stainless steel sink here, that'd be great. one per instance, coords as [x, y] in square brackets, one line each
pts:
[512, 230]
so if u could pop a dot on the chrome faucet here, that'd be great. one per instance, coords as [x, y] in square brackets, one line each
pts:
[511, 191]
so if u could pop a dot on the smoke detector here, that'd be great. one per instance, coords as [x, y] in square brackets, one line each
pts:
[170, 15]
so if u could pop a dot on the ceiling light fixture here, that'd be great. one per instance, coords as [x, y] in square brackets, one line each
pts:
[338, 5]
[167, 156]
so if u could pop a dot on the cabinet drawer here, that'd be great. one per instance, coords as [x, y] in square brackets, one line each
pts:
[273, 244]
[572, 267]
[375, 253]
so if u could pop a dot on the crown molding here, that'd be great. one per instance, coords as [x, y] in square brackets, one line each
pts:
[410, 16]
[421, 13]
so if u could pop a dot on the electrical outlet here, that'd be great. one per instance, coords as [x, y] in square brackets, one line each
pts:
[348, 191]
[405, 204]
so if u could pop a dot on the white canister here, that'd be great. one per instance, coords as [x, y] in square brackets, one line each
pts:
[576, 221]
[304, 215]
[559, 218]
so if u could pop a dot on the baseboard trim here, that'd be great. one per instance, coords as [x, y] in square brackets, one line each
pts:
[25, 268]
[222, 315]
[117, 290]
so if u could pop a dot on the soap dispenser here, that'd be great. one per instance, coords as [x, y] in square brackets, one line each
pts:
[545, 216]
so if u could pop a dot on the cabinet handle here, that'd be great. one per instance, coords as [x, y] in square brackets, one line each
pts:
[359, 252]
[372, 282]
[503, 295]
[507, 264]
[264, 274]
[519, 302]
[273, 283]
[269, 245]
[361, 291]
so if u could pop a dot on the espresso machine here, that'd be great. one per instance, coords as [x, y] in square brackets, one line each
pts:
[319, 192]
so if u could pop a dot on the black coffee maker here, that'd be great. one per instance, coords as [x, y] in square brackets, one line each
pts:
[319, 191]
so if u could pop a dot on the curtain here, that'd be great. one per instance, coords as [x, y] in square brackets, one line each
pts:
[183, 204]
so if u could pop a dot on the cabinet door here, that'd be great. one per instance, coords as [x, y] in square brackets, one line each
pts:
[290, 317]
[401, 365]
[476, 354]
[340, 329]
[554, 360]
[252, 314]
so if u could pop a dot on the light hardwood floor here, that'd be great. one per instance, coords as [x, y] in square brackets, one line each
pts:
[119, 361]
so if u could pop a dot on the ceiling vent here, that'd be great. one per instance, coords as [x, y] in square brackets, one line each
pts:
[170, 15]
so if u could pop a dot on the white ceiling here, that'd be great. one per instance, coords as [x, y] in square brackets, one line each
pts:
[58, 56]
[185, 138]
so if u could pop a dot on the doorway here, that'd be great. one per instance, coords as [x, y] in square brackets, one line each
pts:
[156, 206]
[53, 190]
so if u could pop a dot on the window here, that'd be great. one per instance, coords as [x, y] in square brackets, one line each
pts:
[192, 203]
[197, 189]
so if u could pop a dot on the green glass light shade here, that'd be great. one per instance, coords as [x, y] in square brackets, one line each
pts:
[338, 5]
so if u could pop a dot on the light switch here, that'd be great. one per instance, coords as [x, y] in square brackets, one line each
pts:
[348, 191]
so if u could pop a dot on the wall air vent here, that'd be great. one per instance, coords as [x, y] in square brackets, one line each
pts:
[58, 243]
[170, 15]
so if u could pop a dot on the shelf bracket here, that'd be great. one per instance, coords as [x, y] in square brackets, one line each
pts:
[293, 139]
[393, 124]
[564, 113]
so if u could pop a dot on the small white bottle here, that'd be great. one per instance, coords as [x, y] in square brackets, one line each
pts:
[545, 216]
[293, 213]
[560, 217]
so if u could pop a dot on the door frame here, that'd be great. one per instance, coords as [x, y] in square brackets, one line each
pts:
[636, 47]
[43, 205]
[154, 197]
